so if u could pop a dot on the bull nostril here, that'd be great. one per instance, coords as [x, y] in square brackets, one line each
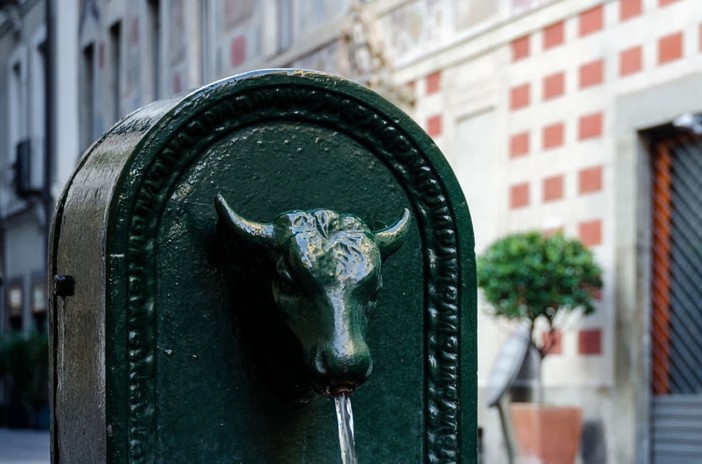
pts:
[320, 364]
[341, 372]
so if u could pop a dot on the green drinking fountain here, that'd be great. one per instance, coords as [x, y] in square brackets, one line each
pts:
[224, 262]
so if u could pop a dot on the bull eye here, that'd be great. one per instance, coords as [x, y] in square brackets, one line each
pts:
[370, 307]
[300, 220]
[286, 277]
[372, 292]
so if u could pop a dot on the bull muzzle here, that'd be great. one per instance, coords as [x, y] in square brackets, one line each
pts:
[338, 368]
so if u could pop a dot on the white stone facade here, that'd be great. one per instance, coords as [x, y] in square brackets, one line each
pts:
[22, 219]
[23, 108]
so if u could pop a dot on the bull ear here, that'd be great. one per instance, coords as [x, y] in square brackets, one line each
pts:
[251, 232]
[391, 238]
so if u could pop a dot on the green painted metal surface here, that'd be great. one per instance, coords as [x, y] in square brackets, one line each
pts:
[153, 358]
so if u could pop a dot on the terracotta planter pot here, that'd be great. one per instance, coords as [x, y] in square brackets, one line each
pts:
[546, 434]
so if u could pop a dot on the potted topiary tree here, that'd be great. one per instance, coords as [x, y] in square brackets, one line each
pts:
[533, 277]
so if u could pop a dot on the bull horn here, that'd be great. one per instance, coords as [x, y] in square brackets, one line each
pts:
[252, 232]
[391, 238]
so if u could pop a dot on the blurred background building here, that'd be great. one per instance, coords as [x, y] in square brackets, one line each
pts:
[570, 115]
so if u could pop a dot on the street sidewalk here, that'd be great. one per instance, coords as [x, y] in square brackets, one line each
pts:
[18, 446]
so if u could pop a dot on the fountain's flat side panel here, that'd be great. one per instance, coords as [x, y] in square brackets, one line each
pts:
[77, 321]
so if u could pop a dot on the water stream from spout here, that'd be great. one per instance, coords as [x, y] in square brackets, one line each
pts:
[344, 417]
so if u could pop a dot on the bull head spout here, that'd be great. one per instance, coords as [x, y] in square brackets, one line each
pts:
[324, 278]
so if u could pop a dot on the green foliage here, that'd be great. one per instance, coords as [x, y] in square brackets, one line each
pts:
[24, 362]
[529, 276]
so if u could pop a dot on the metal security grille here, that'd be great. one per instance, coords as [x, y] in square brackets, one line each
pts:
[677, 303]
[686, 270]
[676, 432]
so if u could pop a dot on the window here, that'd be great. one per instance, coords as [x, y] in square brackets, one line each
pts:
[88, 96]
[154, 46]
[17, 121]
[205, 41]
[477, 167]
[37, 106]
[15, 304]
[115, 68]
[39, 303]
[38, 86]
[285, 24]
[18, 108]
